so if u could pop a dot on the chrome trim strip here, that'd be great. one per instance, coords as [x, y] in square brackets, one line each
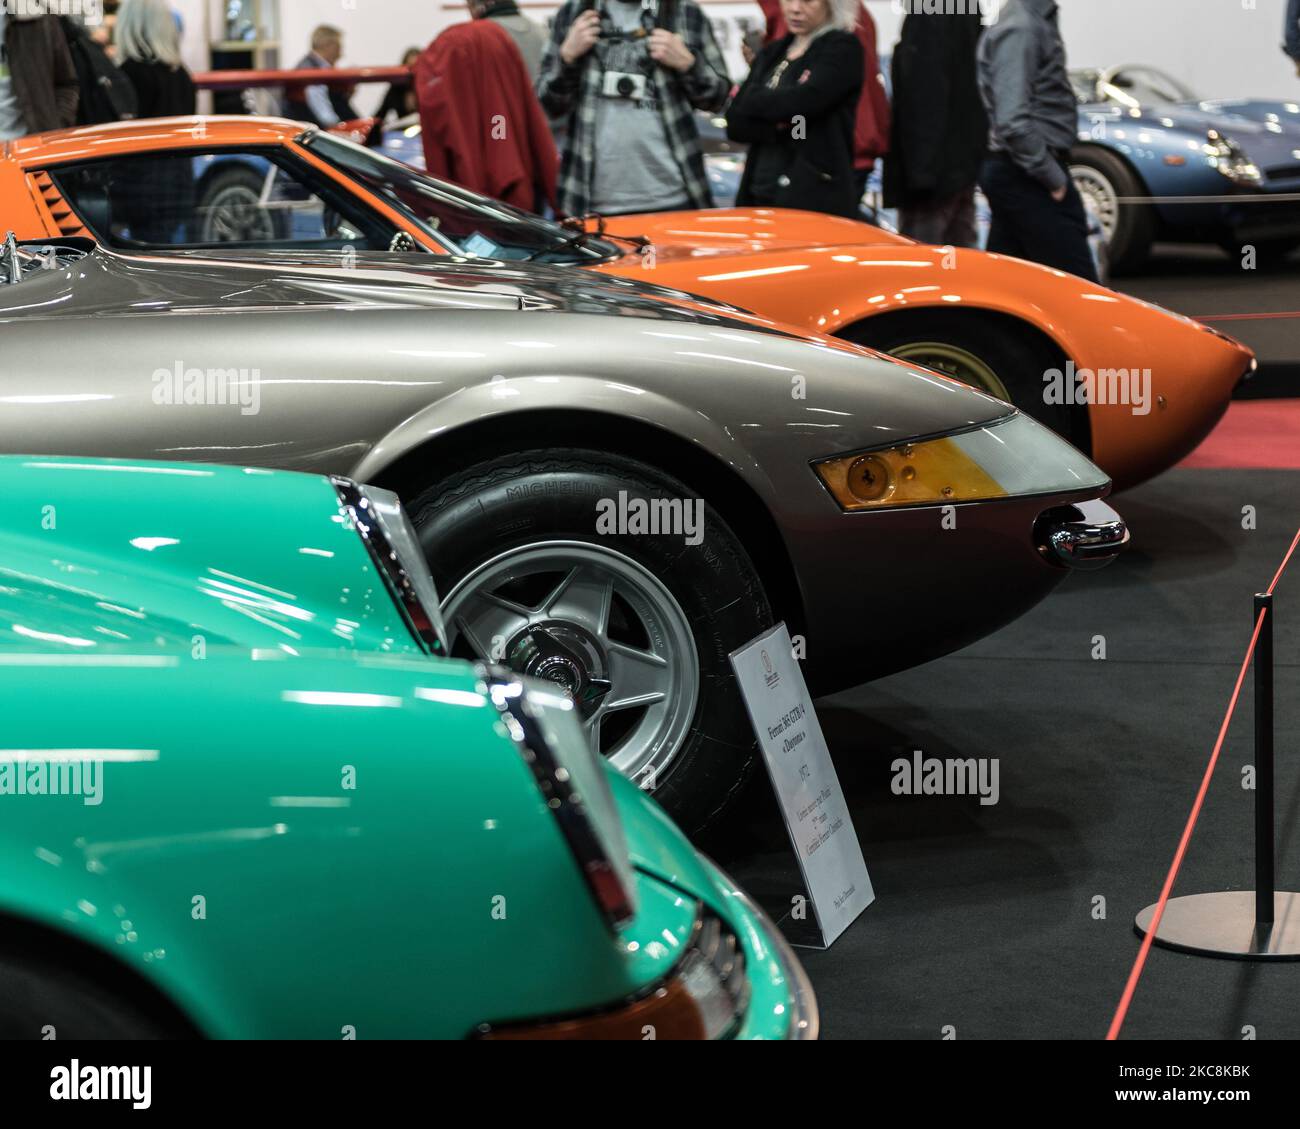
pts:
[389, 564]
[508, 693]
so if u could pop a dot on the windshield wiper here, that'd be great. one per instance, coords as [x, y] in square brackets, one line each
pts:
[578, 224]
[578, 240]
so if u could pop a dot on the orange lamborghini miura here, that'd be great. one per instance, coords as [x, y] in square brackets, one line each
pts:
[1134, 386]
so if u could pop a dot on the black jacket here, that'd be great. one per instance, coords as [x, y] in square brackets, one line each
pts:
[828, 82]
[44, 80]
[940, 131]
[162, 91]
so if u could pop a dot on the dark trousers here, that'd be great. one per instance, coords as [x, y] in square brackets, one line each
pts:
[1029, 224]
[949, 222]
[860, 178]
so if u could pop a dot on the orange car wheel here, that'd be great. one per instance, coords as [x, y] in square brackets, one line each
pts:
[986, 351]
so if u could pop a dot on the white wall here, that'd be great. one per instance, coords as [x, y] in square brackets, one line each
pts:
[1220, 48]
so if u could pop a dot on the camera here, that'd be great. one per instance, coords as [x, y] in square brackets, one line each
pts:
[621, 84]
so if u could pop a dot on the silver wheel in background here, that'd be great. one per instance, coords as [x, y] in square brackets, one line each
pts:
[602, 628]
[1099, 197]
[234, 214]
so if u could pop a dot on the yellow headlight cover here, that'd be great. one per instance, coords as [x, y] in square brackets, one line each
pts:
[936, 472]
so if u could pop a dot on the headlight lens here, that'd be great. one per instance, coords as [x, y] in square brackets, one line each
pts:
[713, 974]
[1011, 458]
[571, 777]
[1228, 158]
[390, 538]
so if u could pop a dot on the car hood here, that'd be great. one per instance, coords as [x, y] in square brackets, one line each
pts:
[700, 376]
[169, 558]
[1268, 132]
[256, 279]
[727, 232]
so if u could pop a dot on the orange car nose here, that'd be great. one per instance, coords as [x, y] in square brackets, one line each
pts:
[1190, 388]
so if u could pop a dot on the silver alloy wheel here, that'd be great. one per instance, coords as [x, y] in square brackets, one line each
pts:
[235, 215]
[564, 636]
[1100, 195]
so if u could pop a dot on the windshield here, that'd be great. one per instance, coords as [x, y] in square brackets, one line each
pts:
[1144, 86]
[1085, 85]
[464, 221]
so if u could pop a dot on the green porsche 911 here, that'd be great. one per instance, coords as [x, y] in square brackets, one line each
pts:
[242, 795]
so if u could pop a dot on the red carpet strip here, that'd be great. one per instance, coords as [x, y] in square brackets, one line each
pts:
[1255, 434]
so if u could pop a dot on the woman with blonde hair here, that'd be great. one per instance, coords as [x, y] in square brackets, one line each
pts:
[798, 108]
[149, 51]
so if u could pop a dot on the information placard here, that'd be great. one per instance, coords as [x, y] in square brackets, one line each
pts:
[803, 777]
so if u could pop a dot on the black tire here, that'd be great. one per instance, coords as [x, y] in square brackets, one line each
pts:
[235, 188]
[533, 497]
[35, 995]
[1134, 226]
[1016, 357]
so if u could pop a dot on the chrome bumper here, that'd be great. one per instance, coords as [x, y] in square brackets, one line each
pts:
[1085, 535]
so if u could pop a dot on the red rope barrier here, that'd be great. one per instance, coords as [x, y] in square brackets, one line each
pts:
[1130, 988]
[1285, 561]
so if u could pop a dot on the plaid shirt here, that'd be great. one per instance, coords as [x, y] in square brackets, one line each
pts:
[570, 93]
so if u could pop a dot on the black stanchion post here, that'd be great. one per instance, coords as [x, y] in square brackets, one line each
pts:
[1265, 848]
[1258, 924]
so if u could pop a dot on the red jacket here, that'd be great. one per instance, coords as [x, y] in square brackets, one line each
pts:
[481, 123]
[871, 131]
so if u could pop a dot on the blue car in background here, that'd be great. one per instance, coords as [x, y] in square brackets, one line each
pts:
[1155, 163]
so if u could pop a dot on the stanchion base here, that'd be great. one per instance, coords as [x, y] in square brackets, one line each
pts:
[1223, 925]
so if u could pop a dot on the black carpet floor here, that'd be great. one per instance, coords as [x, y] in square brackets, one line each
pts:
[986, 917]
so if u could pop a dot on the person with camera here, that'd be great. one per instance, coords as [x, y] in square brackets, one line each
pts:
[798, 110]
[623, 80]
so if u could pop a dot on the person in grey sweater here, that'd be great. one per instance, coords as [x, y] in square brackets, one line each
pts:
[1024, 83]
[528, 36]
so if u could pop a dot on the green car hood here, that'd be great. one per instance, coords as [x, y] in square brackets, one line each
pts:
[181, 557]
[656, 845]
[288, 847]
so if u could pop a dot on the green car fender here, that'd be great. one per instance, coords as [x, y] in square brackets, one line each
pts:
[292, 847]
[177, 557]
[663, 854]
[288, 819]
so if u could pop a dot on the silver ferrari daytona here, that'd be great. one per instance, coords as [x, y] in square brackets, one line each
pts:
[616, 486]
